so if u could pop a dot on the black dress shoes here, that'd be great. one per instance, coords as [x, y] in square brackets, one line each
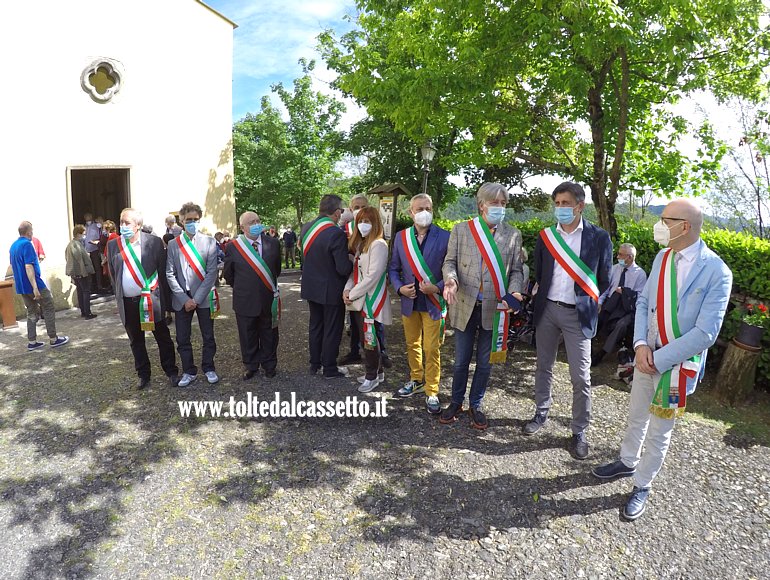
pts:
[173, 380]
[143, 383]
[249, 375]
[269, 374]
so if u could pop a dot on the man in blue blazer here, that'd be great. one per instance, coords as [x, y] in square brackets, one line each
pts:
[423, 309]
[670, 339]
[572, 268]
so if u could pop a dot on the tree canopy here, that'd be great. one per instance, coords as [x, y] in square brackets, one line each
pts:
[578, 88]
[287, 163]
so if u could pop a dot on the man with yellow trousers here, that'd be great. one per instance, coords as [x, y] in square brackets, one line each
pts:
[415, 273]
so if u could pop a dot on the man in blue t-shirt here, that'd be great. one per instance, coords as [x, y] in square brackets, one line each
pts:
[28, 283]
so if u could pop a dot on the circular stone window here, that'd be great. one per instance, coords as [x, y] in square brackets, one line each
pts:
[101, 80]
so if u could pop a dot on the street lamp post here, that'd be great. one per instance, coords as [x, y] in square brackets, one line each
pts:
[428, 152]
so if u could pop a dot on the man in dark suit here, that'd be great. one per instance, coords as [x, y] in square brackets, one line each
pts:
[572, 268]
[252, 266]
[326, 267]
[137, 265]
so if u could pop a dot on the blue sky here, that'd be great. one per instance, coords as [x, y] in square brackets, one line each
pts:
[272, 35]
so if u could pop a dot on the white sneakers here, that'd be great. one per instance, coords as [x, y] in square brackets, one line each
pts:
[212, 377]
[370, 385]
[380, 377]
[186, 380]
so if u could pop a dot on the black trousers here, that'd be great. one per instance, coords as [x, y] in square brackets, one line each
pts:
[259, 341]
[97, 277]
[355, 336]
[83, 288]
[326, 324]
[138, 346]
[372, 358]
[620, 328]
[183, 321]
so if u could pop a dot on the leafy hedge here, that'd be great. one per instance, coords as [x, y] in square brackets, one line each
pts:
[747, 256]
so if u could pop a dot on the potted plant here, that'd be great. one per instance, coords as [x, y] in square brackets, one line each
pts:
[753, 325]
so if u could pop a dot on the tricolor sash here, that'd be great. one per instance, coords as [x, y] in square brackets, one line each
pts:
[321, 224]
[373, 304]
[570, 261]
[134, 265]
[670, 397]
[349, 228]
[494, 262]
[259, 265]
[422, 272]
[198, 266]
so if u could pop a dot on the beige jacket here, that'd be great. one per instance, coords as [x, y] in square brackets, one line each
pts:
[463, 263]
[78, 262]
[371, 267]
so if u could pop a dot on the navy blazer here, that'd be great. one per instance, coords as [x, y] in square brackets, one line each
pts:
[400, 272]
[596, 253]
[326, 266]
[250, 295]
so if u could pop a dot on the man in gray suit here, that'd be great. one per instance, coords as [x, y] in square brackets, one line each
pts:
[137, 266]
[482, 278]
[572, 269]
[191, 270]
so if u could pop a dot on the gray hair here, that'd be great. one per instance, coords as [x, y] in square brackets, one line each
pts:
[170, 219]
[489, 192]
[135, 214]
[420, 196]
[359, 196]
[630, 248]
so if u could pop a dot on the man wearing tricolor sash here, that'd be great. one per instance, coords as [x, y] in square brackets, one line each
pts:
[191, 271]
[415, 273]
[325, 270]
[252, 267]
[137, 266]
[678, 317]
[482, 280]
[572, 268]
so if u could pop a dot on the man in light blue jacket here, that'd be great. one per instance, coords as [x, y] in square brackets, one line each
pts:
[672, 332]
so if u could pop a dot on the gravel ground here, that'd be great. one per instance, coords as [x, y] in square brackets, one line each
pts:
[99, 480]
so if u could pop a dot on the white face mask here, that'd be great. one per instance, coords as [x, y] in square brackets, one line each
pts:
[661, 233]
[365, 229]
[355, 212]
[423, 218]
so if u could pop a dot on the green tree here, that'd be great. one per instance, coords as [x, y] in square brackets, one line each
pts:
[287, 163]
[558, 86]
[389, 156]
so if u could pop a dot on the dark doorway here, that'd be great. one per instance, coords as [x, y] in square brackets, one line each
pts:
[101, 192]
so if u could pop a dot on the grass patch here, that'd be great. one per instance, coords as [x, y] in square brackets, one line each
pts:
[748, 423]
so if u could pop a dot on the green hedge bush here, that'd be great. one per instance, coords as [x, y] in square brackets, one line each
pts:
[747, 256]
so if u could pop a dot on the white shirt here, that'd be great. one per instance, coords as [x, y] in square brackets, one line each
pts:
[635, 279]
[130, 289]
[562, 285]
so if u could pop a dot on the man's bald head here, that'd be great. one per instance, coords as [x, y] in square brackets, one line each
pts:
[248, 218]
[687, 210]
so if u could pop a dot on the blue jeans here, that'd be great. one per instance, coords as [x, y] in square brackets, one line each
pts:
[464, 343]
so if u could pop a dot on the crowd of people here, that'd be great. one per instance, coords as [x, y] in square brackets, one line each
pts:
[472, 279]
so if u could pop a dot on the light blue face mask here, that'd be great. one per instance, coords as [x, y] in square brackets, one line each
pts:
[192, 227]
[621, 263]
[256, 230]
[564, 215]
[496, 214]
[127, 232]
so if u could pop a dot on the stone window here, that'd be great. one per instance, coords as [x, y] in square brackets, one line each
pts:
[101, 80]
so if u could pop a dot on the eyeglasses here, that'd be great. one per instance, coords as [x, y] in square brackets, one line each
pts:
[673, 219]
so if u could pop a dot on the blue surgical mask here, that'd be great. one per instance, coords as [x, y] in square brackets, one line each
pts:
[192, 227]
[256, 230]
[127, 232]
[564, 215]
[496, 214]
[621, 263]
